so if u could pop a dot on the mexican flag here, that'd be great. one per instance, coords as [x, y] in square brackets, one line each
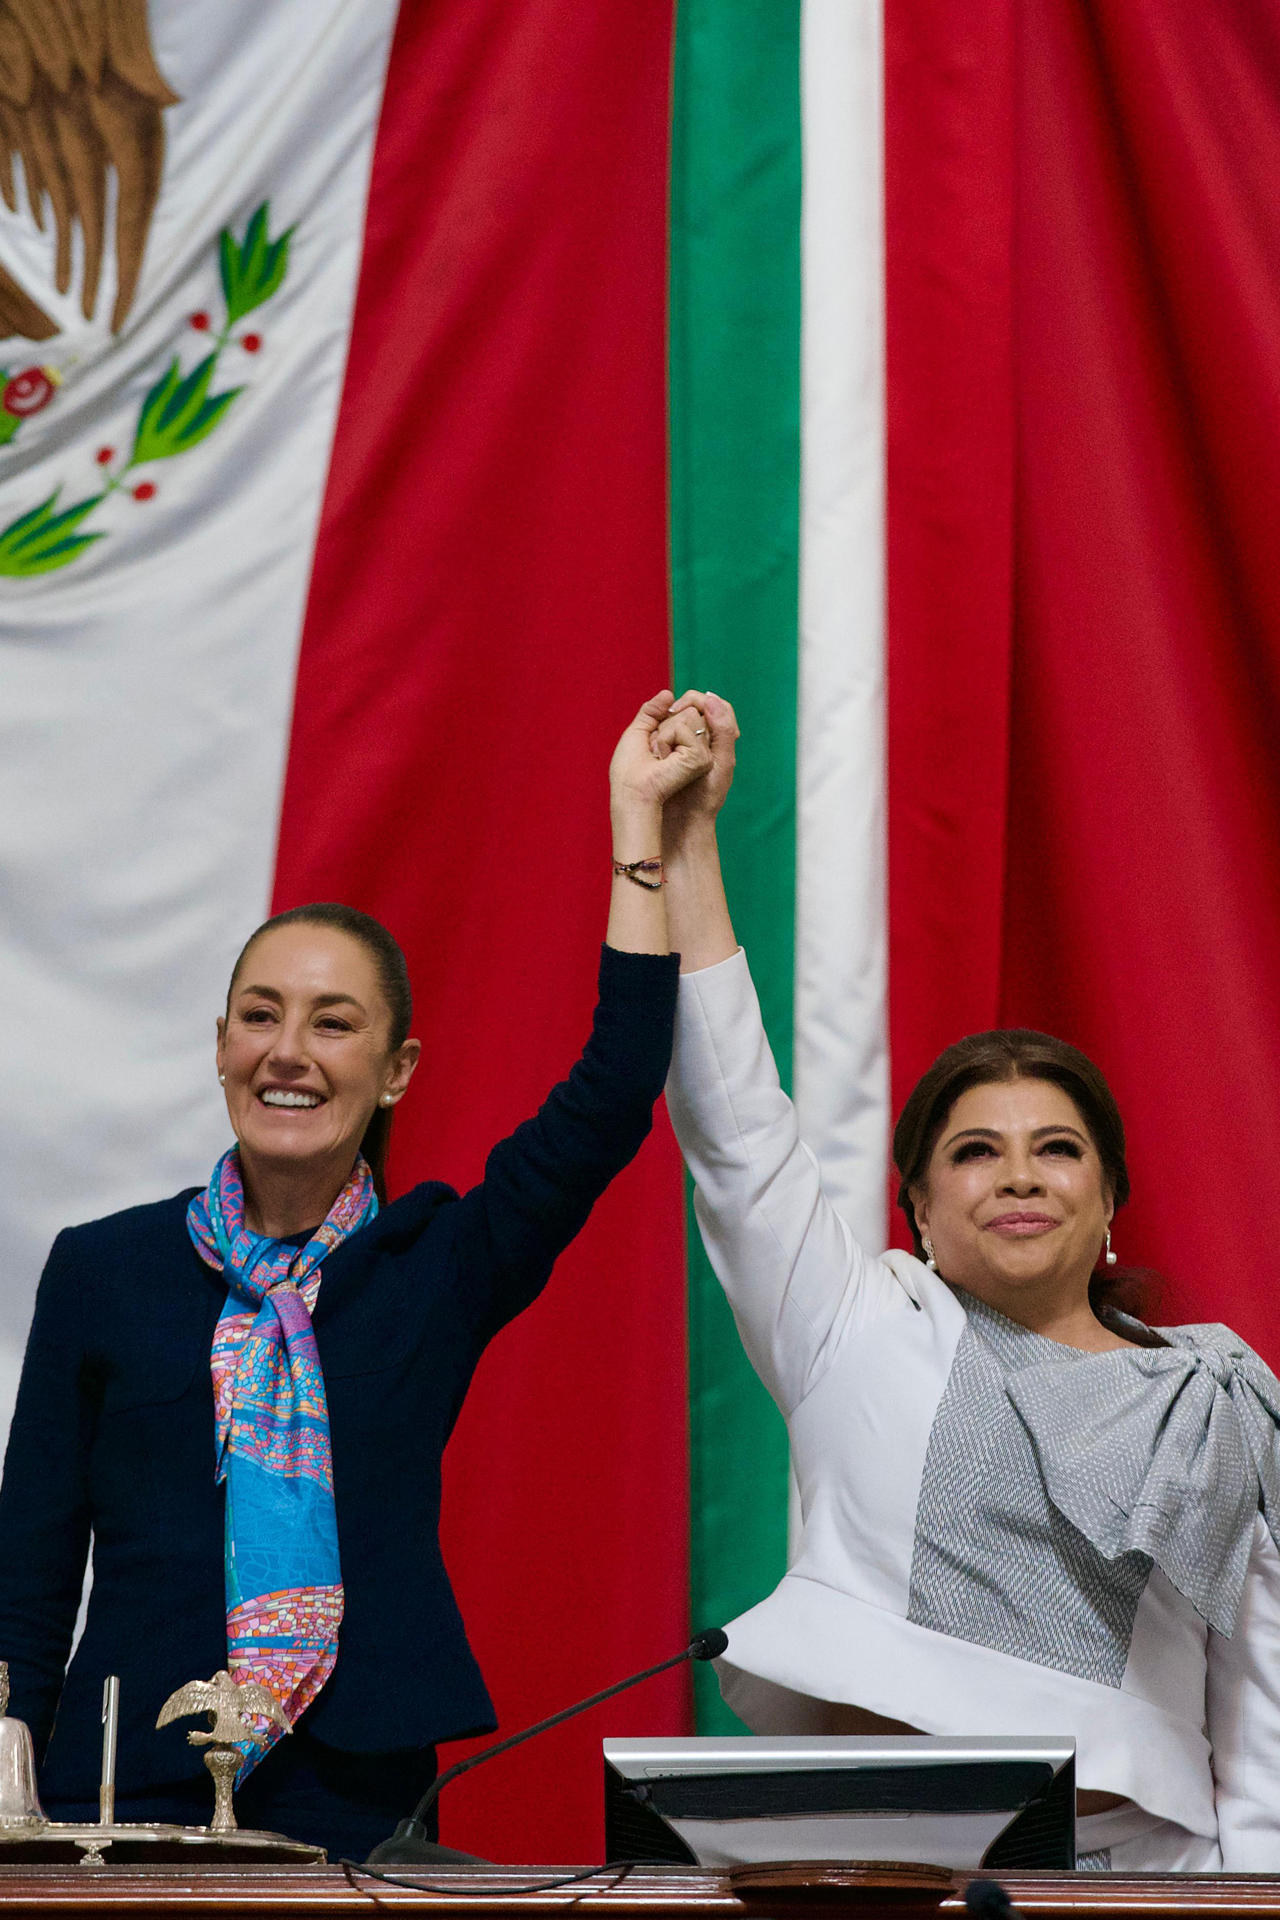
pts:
[392, 399]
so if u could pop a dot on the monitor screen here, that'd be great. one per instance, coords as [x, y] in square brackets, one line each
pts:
[988, 1801]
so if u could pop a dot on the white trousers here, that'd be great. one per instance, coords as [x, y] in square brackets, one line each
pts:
[1129, 1840]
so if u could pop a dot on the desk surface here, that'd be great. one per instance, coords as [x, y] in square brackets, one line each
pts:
[667, 1893]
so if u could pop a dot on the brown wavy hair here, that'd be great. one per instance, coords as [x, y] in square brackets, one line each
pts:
[393, 977]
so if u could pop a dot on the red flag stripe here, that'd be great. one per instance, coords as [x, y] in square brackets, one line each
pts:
[949, 407]
[1111, 610]
[488, 607]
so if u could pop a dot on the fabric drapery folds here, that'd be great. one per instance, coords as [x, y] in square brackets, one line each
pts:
[1167, 1451]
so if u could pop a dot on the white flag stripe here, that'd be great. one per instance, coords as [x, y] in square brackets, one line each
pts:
[841, 1041]
[147, 686]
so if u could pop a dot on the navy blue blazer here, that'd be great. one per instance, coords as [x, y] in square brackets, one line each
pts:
[113, 1433]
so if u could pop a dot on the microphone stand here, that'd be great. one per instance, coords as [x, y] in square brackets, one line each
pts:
[410, 1844]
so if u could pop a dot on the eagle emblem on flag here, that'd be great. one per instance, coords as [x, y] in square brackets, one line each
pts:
[81, 99]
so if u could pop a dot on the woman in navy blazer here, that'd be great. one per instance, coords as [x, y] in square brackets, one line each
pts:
[113, 1435]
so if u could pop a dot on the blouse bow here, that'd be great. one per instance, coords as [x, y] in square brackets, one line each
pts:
[1166, 1451]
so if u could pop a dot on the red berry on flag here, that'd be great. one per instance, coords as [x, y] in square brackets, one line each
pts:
[104, 456]
[251, 342]
[201, 322]
[144, 492]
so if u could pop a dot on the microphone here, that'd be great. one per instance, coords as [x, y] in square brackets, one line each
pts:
[987, 1900]
[410, 1844]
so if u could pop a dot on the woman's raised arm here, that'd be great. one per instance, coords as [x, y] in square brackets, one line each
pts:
[697, 911]
[797, 1281]
[541, 1182]
[642, 782]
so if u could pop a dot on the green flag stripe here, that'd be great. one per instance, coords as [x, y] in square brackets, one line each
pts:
[735, 413]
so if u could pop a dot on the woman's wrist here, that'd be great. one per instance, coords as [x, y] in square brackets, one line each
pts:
[694, 843]
[637, 908]
[637, 828]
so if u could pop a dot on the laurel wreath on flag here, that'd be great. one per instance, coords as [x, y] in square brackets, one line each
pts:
[178, 412]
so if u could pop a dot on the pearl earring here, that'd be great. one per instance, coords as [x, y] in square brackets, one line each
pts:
[1110, 1257]
[386, 1100]
[929, 1260]
[222, 1079]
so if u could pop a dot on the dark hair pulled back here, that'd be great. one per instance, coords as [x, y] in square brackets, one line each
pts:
[983, 1059]
[393, 978]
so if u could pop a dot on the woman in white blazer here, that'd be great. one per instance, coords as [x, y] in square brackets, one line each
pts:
[1020, 1515]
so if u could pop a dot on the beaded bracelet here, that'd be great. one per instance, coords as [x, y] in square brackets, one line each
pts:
[632, 870]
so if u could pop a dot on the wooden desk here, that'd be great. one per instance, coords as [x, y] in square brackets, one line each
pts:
[651, 1893]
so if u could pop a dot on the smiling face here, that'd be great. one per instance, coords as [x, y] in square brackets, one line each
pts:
[305, 1051]
[1015, 1199]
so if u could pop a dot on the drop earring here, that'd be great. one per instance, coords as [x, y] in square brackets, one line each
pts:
[1109, 1256]
[929, 1260]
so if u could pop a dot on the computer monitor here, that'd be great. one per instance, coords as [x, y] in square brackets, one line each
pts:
[988, 1801]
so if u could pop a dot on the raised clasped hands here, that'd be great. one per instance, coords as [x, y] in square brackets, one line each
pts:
[695, 805]
[669, 776]
[647, 775]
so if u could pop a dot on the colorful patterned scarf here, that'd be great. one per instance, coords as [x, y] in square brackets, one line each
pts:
[283, 1578]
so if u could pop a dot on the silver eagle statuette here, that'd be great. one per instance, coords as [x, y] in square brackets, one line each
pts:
[20, 1808]
[229, 1704]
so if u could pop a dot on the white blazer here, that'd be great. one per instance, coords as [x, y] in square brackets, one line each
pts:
[895, 1398]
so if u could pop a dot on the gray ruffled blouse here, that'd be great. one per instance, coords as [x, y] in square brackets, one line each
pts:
[1056, 1479]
